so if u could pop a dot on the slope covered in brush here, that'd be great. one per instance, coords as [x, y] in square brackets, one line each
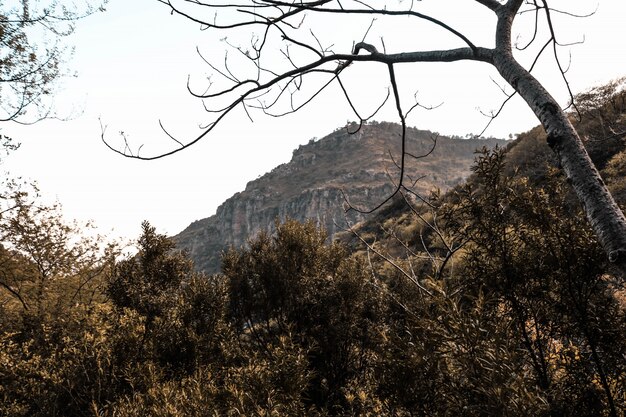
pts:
[321, 175]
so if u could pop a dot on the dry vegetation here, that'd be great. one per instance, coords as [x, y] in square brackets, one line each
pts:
[494, 299]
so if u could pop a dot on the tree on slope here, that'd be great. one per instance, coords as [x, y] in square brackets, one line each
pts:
[285, 50]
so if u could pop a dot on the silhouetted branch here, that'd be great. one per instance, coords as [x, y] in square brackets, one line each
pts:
[279, 27]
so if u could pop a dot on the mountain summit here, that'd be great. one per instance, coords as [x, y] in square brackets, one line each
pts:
[326, 174]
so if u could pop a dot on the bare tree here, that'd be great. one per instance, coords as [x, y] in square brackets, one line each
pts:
[32, 54]
[281, 29]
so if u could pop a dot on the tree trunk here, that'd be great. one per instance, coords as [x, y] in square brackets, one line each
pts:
[606, 218]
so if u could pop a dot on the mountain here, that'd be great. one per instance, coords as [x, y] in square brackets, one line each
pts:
[322, 176]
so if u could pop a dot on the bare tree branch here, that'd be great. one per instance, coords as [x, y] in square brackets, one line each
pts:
[281, 87]
[490, 4]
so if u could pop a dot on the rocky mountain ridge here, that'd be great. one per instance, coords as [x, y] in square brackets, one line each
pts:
[322, 176]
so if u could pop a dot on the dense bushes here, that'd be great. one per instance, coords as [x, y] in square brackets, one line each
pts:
[501, 304]
[528, 324]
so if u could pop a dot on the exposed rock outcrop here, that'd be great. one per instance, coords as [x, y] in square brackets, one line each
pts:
[321, 175]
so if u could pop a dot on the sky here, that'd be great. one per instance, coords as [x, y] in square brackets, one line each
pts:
[133, 62]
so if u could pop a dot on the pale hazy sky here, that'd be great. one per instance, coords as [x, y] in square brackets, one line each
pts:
[133, 61]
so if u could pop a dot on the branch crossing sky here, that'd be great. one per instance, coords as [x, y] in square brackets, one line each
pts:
[132, 64]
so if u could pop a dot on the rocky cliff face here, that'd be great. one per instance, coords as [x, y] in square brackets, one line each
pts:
[321, 177]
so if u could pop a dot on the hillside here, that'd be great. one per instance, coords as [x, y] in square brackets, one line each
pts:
[602, 126]
[313, 183]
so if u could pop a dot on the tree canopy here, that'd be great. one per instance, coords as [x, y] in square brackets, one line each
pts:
[33, 54]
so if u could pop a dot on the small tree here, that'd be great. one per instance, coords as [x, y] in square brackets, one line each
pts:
[47, 264]
[149, 281]
[32, 54]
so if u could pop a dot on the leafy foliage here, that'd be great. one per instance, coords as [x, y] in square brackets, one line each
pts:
[494, 299]
[31, 54]
[293, 285]
[543, 265]
[49, 266]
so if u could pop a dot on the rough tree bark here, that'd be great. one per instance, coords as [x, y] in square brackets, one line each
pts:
[606, 218]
